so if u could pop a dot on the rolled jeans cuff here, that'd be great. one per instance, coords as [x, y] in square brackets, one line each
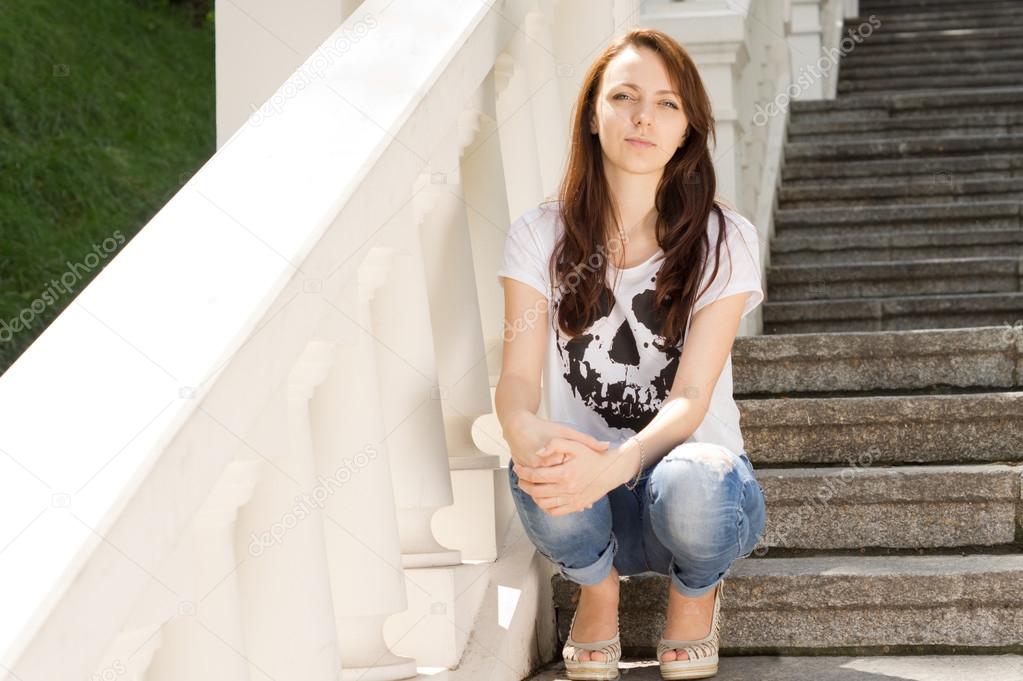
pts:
[597, 571]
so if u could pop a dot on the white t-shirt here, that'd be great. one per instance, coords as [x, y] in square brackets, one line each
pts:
[610, 381]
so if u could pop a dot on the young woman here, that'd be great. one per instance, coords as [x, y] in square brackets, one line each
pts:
[626, 294]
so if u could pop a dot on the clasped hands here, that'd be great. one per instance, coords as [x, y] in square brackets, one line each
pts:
[572, 477]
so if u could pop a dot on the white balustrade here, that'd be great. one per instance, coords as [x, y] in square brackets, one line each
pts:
[261, 443]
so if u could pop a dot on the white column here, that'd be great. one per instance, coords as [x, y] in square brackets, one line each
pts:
[516, 130]
[206, 640]
[348, 418]
[468, 524]
[399, 317]
[805, 45]
[129, 656]
[486, 196]
[284, 581]
[551, 141]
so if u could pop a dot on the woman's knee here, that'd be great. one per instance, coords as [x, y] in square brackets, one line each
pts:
[704, 499]
[572, 538]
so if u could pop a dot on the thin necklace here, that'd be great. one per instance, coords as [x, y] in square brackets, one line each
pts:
[621, 233]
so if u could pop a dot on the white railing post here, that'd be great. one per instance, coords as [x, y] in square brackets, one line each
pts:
[516, 129]
[550, 143]
[486, 197]
[131, 653]
[413, 419]
[805, 46]
[207, 638]
[284, 582]
[469, 524]
[348, 418]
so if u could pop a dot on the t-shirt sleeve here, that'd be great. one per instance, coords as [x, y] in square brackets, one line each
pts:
[739, 268]
[525, 258]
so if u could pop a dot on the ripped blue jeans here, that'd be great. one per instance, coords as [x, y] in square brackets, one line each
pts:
[692, 514]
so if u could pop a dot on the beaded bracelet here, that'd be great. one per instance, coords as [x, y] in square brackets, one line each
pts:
[640, 471]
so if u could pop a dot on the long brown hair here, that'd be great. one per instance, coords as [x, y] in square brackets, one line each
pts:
[684, 200]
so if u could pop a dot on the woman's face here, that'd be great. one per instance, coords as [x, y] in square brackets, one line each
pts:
[637, 100]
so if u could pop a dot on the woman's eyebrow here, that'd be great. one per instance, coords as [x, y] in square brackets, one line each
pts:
[659, 92]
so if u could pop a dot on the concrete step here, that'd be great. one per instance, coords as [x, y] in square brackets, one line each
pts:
[940, 170]
[806, 249]
[907, 23]
[947, 18]
[878, 362]
[904, 41]
[897, 104]
[1005, 667]
[899, 313]
[895, 8]
[858, 59]
[903, 147]
[921, 125]
[862, 506]
[839, 605]
[884, 429]
[908, 52]
[890, 279]
[916, 217]
[976, 69]
[930, 82]
[861, 193]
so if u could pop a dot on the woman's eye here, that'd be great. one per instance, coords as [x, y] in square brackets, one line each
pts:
[620, 94]
[672, 104]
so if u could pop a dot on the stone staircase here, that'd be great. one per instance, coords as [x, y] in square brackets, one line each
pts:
[883, 407]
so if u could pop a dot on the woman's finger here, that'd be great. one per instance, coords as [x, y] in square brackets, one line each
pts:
[540, 490]
[585, 438]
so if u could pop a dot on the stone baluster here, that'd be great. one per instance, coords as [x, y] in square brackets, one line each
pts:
[486, 198]
[516, 130]
[399, 317]
[206, 640]
[469, 524]
[284, 581]
[350, 420]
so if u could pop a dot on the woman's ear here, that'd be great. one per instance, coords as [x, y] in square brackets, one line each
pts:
[593, 125]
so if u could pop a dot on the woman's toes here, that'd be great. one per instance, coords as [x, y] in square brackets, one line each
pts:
[592, 655]
[670, 655]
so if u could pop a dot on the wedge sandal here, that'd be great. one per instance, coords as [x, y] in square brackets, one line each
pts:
[591, 670]
[703, 653]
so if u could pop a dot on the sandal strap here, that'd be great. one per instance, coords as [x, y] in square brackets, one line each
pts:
[612, 647]
[694, 652]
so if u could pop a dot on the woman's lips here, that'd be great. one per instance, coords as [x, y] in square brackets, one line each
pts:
[639, 144]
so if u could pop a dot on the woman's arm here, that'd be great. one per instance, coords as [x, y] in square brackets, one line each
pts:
[525, 340]
[517, 398]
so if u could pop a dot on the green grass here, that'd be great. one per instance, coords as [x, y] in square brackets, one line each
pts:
[106, 107]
